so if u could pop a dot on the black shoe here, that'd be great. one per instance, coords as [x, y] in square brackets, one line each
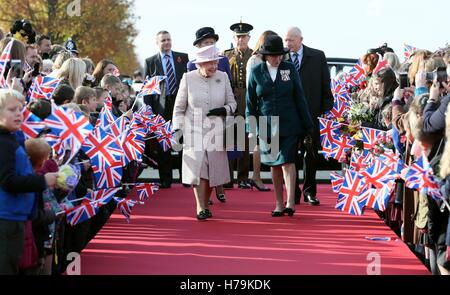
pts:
[252, 184]
[311, 199]
[221, 198]
[244, 185]
[202, 215]
[289, 211]
[186, 185]
[277, 213]
[228, 185]
[208, 213]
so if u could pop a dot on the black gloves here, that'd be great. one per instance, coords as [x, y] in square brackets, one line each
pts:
[217, 112]
[178, 136]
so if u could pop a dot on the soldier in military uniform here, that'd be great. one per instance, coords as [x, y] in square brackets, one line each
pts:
[238, 58]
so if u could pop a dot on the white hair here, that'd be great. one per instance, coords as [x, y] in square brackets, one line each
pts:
[296, 31]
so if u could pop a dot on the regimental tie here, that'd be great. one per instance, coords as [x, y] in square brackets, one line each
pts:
[296, 63]
[171, 83]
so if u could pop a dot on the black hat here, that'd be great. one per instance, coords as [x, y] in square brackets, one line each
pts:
[204, 33]
[273, 45]
[241, 28]
[71, 46]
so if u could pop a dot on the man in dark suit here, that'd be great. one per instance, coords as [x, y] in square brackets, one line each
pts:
[315, 77]
[172, 65]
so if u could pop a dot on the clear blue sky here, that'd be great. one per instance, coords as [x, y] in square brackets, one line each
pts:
[345, 28]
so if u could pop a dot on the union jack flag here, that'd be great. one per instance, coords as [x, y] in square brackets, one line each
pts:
[43, 88]
[359, 161]
[102, 196]
[328, 129]
[378, 174]
[371, 137]
[82, 213]
[340, 146]
[383, 195]
[108, 101]
[337, 179]
[377, 199]
[119, 126]
[339, 90]
[339, 110]
[381, 64]
[108, 177]
[145, 190]
[349, 194]
[106, 119]
[408, 51]
[125, 206]
[151, 86]
[155, 123]
[103, 149]
[133, 145]
[32, 125]
[71, 127]
[391, 159]
[358, 73]
[164, 136]
[420, 176]
[4, 59]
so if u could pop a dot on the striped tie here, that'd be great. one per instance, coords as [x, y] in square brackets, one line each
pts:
[296, 63]
[171, 83]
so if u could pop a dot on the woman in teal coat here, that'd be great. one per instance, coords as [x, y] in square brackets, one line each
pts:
[276, 100]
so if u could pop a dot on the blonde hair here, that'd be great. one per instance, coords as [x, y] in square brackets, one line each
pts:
[60, 59]
[445, 160]
[8, 94]
[418, 57]
[73, 70]
[38, 151]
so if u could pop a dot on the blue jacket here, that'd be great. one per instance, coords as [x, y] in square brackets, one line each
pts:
[18, 184]
[283, 98]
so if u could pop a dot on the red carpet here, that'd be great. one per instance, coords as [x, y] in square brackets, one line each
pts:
[165, 238]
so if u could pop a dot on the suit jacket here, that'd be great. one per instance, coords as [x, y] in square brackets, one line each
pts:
[283, 98]
[153, 67]
[315, 78]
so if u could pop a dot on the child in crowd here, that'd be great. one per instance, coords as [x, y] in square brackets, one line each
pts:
[18, 184]
[39, 152]
[86, 96]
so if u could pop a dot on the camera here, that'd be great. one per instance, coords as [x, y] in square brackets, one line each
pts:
[381, 50]
[25, 29]
[15, 67]
[403, 80]
[439, 74]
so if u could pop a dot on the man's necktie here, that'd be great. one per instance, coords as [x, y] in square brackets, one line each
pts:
[296, 63]
[171, 83]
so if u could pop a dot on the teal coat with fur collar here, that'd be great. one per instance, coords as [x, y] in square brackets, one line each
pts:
[283, 98]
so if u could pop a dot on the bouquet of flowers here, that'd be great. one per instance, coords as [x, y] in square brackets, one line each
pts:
[68, 177]
[359, 112]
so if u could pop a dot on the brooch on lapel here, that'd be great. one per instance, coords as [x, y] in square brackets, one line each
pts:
[218, 81]
[285, 75]
[178, 59]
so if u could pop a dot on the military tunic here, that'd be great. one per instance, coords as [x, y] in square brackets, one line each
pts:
[238, 64]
